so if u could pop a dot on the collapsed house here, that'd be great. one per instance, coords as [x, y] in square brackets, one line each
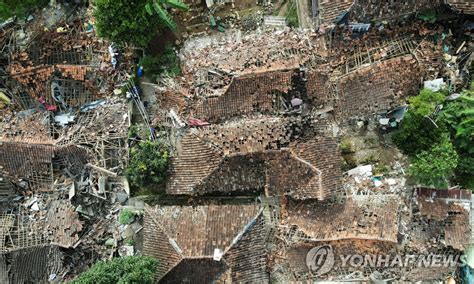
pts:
[370, 225]
[259, 113]
[63, 145]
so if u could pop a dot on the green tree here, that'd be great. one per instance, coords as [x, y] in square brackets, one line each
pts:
[436, 166]
[292, 15]
[425, 103]
[9, 8]
[167, 62]
[458, 115]
[417, 133]
[419, 130]
[122, 270]
[124, 21]
[159, 7]
[148, 163]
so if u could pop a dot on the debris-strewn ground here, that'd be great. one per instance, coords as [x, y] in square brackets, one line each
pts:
[280, 141]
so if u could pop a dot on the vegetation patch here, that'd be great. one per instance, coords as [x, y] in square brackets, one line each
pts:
[126, 216]
[123, 270]
[292, 15]
[148, 163]
[165, 63]
[10, 8]
[437, 133]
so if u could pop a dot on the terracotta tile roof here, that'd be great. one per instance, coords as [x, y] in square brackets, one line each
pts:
[195, 161]
[465, 6]
[34, 265]
[250, 155]
[377, 87]
[330, 9]
[174, 234]
[245, 95]
[369, 10]
[453, 220]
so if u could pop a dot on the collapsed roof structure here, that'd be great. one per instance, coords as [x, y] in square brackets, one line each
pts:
[260, 111]
[63, 143]
[255, 113]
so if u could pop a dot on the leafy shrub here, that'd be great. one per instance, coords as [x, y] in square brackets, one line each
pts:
[458, 115]
[346, 147]
[123, 270]
[418, 132]
[126, 216]
[167, 62]
[148, 163]
[124, 22]
[10, 8]
[436, 166]
[425, 103]
[130, 242]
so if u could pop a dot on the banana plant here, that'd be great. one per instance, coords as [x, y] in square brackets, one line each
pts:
[159, 7]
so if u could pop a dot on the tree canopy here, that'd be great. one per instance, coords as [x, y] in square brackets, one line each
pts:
[148, 163]
[124, 21]
[438, 134]
[10, 8]
[122, 270]
[436, 166]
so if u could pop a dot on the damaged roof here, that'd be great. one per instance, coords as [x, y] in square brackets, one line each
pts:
[464, 6]
[358, 217]
[218, 231]
[265, 152]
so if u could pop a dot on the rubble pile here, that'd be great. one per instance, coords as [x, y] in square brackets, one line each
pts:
[255, 123]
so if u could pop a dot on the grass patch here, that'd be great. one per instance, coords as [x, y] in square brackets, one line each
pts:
[347, 147]
[126, 216]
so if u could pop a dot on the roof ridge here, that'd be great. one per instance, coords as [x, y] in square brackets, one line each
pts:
[179, 251]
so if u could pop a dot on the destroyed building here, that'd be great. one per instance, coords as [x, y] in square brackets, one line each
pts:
[260, 112]
[254, 123]
[63, 144]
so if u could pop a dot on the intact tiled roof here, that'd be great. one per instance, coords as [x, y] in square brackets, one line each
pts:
[181, 237]
[196, 160]
[359, 217]
[377, 87]
[465, 6]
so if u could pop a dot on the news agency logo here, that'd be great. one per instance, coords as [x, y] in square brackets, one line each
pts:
[320, 260]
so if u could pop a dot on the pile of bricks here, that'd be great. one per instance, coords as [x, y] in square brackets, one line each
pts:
[245, 95]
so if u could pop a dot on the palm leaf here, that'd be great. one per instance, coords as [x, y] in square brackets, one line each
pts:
[177, 4]
[165, 16]
[149, 10]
